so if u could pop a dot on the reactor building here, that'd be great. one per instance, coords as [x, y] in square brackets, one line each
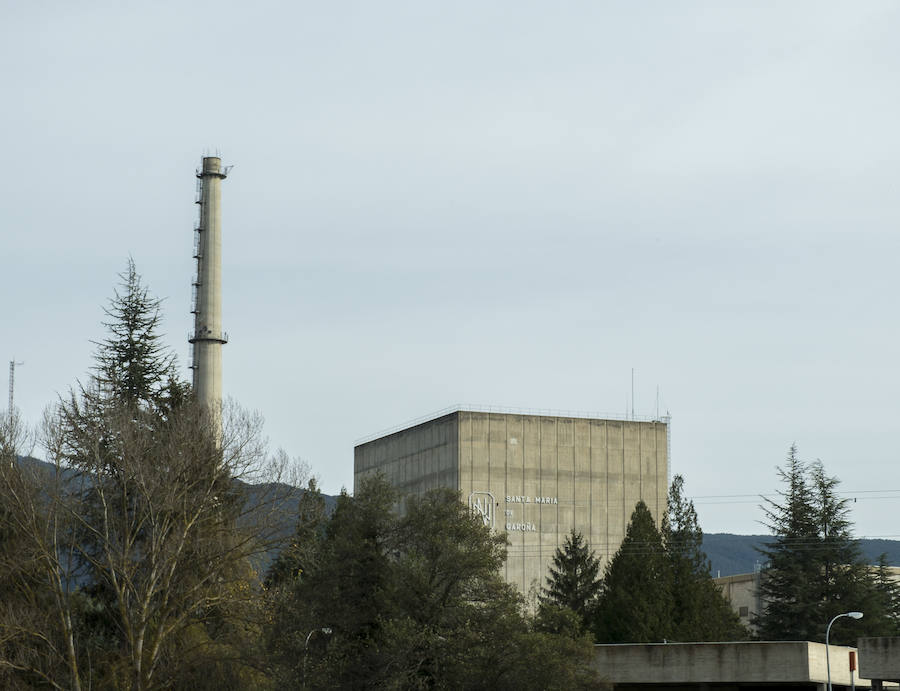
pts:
[533, 476]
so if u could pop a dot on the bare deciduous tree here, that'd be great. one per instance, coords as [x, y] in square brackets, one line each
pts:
[131, 552]
[156, 529]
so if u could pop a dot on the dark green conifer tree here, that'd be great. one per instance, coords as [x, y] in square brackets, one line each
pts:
[574, 581]
[156, 538]
[787, 583]
[413, 602]
[845, 578]
[346, 590]
[132, 365]
[299, 558]
[636, 603]
[884, 601]
[700, 611]
[137, 538]
[133, 375]
[814, 568]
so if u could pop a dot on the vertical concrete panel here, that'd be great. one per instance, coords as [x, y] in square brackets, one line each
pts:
[548, 432]
[497, 438]
[531, 540]
[515, 486]
[465, 454]
[582, 491]
[632, 456]
[452, 458]
[615, 453]
[565, 479]
[649, 476]
[497, 454]
[662, 465]
[582, 433]
[392, 453]
[548, 516]
[532, 456]
[393, 473]
[599, 509]
[565, 482]
[480, 452]
[497, 428]
[565, 432]
[532, 429]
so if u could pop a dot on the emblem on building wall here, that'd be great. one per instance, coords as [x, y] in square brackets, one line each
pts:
[482, 505]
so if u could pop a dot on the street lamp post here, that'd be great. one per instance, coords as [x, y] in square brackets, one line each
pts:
[852, 615]
[327, 631]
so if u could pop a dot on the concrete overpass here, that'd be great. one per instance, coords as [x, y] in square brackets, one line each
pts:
[734, 665]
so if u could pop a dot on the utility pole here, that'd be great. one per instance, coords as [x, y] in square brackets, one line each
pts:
[12, 379]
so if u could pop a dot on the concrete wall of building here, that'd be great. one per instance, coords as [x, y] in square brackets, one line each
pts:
[753, 662]
[550, 474]
[543, 475]
[416, 459]
[879, 658]
[742, 591]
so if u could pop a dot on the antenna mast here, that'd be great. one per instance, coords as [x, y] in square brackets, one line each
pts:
[632, 393]
[12, 386]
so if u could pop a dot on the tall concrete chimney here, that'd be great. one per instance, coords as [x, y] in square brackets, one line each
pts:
[208, 336]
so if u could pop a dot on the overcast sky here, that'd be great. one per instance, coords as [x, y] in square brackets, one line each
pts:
[497, 203]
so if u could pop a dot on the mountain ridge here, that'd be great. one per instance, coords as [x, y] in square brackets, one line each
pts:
[731, 554]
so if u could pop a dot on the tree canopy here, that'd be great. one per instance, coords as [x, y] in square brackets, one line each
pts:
[139, 538]
[814, 567]
[636, 603]
[658, 585]
[411, 601]
[130, 560]
[574, 580]
[132, 365]
[701, 612]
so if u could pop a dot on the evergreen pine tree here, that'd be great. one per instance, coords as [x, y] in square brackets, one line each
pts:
[132, 365]
[844, 578]
[300, 557]
[413, 602]
[350, 589]
[133, 376]
[636, 603]
[574, 580]
[701, 612]
[787, 582]
[157, 508]
[886, 596]
[814, 567]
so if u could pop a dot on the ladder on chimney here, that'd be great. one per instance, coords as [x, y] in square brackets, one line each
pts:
[198, 254]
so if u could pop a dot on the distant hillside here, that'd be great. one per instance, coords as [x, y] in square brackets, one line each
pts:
[731, 554]
[278, 497]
